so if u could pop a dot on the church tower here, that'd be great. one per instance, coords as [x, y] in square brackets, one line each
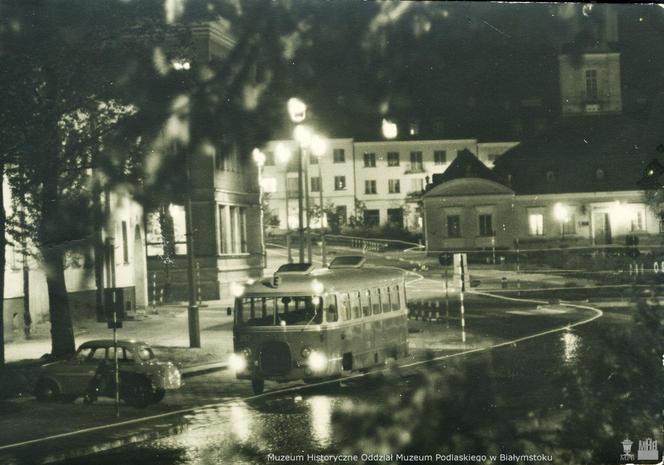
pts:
[590, 77]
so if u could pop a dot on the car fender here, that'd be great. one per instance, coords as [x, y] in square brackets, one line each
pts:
[49, 377]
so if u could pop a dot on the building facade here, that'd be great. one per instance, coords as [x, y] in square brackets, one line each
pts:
[225, 205]
[577, 182]
[377, 180]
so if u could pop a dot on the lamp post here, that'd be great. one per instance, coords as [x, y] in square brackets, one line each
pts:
[318, 149]
[303, 135]
[297, 111]
[259, 158]
[283, 155]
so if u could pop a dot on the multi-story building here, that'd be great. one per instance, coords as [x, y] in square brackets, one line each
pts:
[577, 182]
[225, 207]
[372, 179]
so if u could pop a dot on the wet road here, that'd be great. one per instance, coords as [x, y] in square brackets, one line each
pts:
[545, 396]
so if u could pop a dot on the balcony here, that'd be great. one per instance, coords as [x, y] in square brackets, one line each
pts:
[412, 168]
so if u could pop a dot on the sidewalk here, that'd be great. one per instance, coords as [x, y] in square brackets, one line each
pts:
[167, 329]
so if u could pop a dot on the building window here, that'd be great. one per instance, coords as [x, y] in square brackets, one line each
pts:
[395, 217]
[369, 160]
[370, 186]
[269, 185]
[637, 220]
[416, 162]
[569, 226]
[394, 186]
[440, 157]
[392, 158]
[416, 185]
[269, 158]
[339, 183]
[342, 214]
[125, 243]
[591, 84]
[536, 223]
[371, 217]
[599, 174]
[486, 225]
[233, 229]
[315, 184]
[414, 128]
[453, 226]
[313, 159]
[339, 156]
[292, 188]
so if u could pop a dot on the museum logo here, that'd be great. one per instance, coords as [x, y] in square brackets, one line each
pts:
[646, 452]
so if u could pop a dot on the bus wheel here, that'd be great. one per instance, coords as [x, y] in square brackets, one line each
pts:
[257, 385]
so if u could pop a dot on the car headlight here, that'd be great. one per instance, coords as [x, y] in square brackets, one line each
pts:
[237, 362]
[247, 353]
[317, 361]
[306, 352]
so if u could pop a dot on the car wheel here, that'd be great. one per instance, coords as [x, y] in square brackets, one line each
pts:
[47, 391]
[138, 393]
[257, 385]
[158, 395]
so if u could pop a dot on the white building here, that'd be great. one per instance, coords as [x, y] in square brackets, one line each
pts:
[378, 176]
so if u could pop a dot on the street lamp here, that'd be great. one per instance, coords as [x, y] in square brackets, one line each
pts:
[259, 158]
[283, 154]
[297, 110]
[304, 135]
[390, 130]
[561, 213]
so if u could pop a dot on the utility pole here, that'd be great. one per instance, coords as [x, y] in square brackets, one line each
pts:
[192, 310]
[307, 204]
[300, 201]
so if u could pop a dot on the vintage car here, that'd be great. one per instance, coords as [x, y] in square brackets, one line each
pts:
[143, 378]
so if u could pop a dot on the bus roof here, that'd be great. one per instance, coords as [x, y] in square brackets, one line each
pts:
[333, 280]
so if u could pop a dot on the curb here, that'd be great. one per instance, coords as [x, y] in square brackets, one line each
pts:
[202, 369]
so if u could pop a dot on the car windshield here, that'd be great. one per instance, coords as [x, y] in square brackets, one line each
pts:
[279, 311]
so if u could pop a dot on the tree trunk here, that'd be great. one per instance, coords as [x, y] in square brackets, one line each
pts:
[3, 243]
[52, 242]
[62, 333]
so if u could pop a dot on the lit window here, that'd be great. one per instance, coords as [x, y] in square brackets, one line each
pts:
[369, 160]
[536, 224]
[315, 184]
[416, 161]
[370, 187]
[394, 186]
[339, 183]
[269, 185]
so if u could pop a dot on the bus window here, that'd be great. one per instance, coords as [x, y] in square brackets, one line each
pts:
[375, 301]
[345, 307]
[396, 304]
[245, 311]
[366, 304]
[332, 313]
[355, 304]
[299, 310]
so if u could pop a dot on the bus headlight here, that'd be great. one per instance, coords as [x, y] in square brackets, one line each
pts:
[317, 361]
[306, 352]
[237, 363]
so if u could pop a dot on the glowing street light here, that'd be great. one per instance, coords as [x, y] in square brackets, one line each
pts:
[390, 130]
[297, 110]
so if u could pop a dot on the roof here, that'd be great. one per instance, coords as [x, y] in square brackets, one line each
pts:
[109, 343]
[341, 278]
[578, 154]
[465, 165]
